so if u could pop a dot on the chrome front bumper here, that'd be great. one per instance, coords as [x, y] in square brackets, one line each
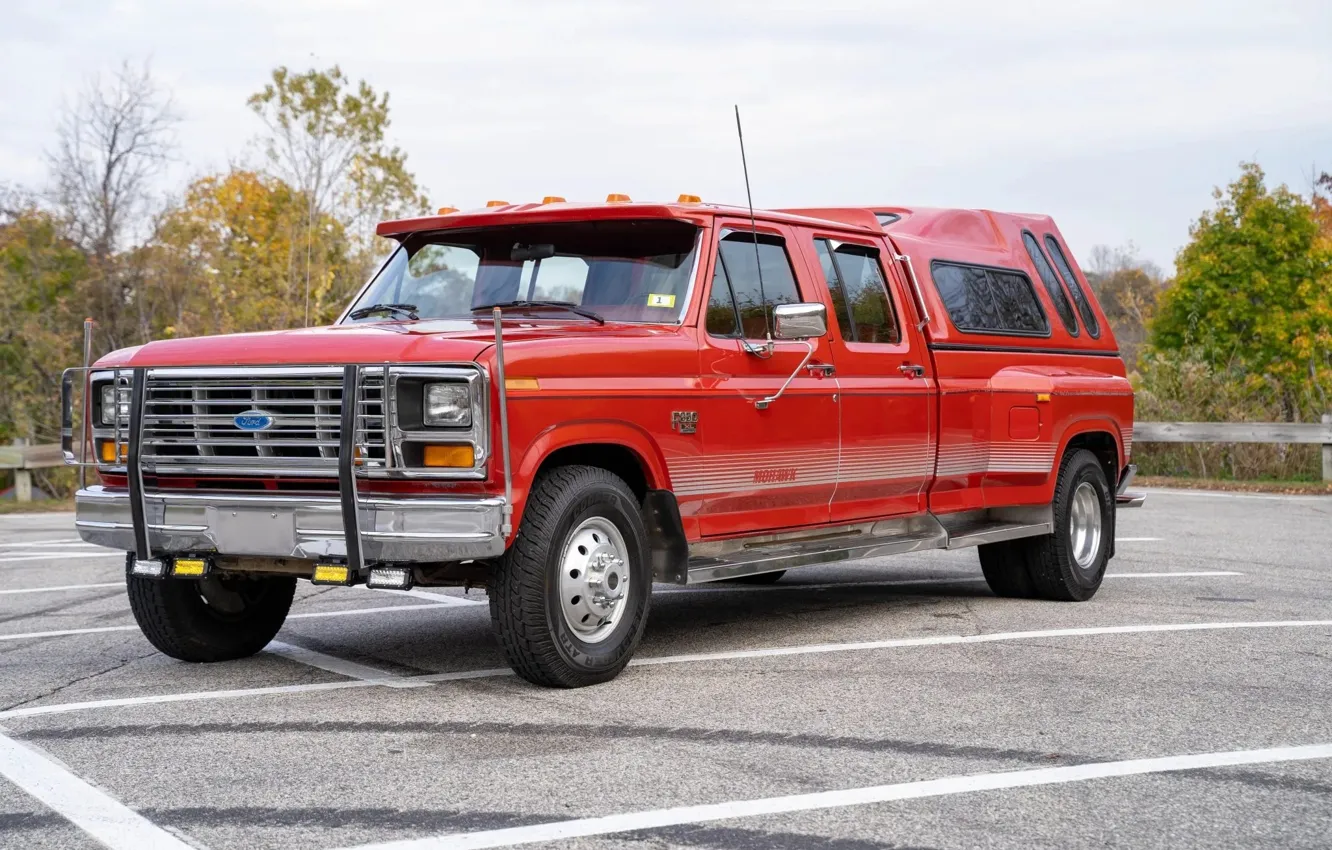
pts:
[419, 530]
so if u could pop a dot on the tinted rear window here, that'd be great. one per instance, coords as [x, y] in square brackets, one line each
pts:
[1074, 287]
[980, 299]
[1051, 282]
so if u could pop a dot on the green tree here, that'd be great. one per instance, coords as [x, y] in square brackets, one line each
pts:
[43, 276]
[326, 139]
[1252, 295]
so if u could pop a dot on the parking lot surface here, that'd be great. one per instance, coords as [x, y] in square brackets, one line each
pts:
[893, 703]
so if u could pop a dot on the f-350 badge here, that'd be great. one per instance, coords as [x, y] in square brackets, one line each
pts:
[684, 421]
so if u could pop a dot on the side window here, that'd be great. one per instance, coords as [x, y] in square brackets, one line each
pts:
[980, 299]
[1074, 287]
[737, 285]
[1051, 282]
[859, 292]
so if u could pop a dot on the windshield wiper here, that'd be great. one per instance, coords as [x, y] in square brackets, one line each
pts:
[561, 305]
[408, 310]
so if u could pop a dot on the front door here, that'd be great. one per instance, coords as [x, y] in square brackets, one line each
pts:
[770, 467]
[886, 457]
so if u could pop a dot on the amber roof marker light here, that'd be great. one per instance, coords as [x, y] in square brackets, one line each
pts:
[553, 199]
[617, 198]
[446, 210]
[689, 199]
[496, 204]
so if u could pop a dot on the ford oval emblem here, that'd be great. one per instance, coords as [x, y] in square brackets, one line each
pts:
[253, 420]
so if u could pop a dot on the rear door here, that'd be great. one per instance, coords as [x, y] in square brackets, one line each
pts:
[762, 469]
[885, 381]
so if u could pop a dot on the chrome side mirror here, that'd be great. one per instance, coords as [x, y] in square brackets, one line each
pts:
[799, 321]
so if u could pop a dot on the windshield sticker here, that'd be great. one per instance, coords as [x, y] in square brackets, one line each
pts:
[655, 300]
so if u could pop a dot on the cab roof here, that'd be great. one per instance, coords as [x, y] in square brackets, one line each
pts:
[976, 228]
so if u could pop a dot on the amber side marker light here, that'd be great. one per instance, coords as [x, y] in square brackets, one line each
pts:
[454, 457]
[1042, 396]
[189, 567]
[522, 384]
[331, 574]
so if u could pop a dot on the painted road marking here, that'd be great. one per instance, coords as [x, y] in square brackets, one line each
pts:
[425, 594]
[994, 637]
[305, 616]
[1213, 494]
[60, 556]
[341, 666]
[92, 810]
[1136, 539]
[937, 640]
[611, 824]
[63, 587]
[37, 544]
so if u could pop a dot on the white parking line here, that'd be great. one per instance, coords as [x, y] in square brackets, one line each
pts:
[352, 612]
[993, 637]
[425, 594]
[60, 556]
[1213, 494]
[341, 666]
[63, 587]
[92, 810]
[37, 544]
[1136, 539]
[937, 640]
[610, 824]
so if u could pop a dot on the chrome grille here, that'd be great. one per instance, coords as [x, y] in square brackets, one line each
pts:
[189, 421]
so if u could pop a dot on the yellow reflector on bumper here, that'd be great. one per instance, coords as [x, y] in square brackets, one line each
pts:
[189, 567]
[457, 457]
[331, 574]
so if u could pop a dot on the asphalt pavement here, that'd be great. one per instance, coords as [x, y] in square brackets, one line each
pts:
[893, 703]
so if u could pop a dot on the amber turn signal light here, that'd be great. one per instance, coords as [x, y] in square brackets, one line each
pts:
[456, 457]
[108, 451]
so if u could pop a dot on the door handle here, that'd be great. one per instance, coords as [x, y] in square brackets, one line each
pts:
[912, 370]
[827, 370]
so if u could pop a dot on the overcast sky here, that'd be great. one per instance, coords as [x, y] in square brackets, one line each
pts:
[1117, 118]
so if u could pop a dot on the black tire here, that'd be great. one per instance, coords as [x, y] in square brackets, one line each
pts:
[210, 619]
[1045, 567]
[1055, 573]
[758, 578]
[1005, 567]
[526, 608]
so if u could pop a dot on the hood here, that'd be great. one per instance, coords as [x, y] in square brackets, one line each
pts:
[431, 341]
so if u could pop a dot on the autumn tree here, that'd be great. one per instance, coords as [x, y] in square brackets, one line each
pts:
[326, 139]
[1128, 289]
[1253, 294]
[233, 254]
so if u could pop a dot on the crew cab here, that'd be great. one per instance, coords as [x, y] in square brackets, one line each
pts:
[568, 402]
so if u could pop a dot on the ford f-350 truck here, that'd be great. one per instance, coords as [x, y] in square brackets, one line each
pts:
[566, 403]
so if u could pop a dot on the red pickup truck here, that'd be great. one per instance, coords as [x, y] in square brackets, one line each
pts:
[568, 402]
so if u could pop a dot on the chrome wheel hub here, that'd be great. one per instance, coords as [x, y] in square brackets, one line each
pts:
[594, 579]
[1084, 525]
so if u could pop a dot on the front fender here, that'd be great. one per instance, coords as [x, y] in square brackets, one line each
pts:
[588, 432]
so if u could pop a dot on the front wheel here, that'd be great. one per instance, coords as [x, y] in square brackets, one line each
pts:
[213, 618]
[570, 597]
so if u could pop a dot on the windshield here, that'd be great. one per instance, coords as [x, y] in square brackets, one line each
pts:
[626, 271]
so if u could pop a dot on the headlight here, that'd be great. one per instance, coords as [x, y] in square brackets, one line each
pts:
[447, 405]
[109, 404]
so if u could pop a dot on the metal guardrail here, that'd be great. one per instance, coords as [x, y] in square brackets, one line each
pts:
[22, 458]
[1316, 433]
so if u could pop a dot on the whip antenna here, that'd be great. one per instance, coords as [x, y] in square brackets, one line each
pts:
[744, 163]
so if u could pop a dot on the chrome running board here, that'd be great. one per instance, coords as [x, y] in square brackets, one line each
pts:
[723, 559]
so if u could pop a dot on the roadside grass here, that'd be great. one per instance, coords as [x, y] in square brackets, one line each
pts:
[39, 506]
[1259, 486]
